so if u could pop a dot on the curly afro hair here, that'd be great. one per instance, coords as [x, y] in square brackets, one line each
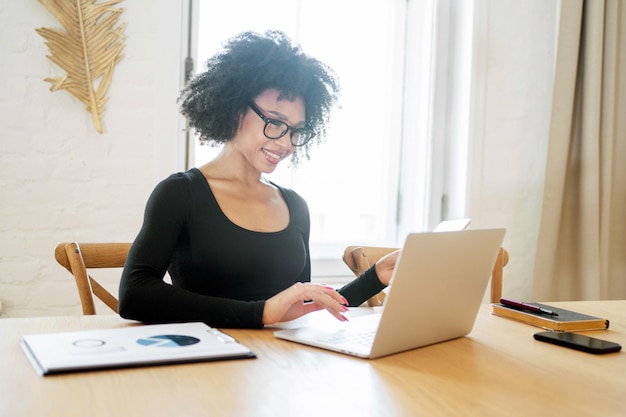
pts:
[249, 64]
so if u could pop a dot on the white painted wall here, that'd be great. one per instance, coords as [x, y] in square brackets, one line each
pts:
[60, 180]
[514, 72]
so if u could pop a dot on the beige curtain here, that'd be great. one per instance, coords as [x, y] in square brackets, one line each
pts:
[581, 251]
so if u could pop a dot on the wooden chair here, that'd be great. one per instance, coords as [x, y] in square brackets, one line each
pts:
[360, 258]
[77, 258]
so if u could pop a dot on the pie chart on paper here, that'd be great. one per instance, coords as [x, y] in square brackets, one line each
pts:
[168, 341]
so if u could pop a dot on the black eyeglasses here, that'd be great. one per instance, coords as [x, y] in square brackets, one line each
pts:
[276, 129]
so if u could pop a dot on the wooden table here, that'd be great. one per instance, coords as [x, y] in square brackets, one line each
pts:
[498, 370]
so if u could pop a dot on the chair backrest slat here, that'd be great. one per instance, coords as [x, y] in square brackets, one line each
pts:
[77, 258]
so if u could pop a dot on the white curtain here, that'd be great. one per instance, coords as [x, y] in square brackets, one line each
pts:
[581, 251]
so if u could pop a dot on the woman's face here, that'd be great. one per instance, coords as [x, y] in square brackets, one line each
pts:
[262, 153]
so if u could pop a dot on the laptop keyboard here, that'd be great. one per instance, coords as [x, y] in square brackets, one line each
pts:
[347, 338]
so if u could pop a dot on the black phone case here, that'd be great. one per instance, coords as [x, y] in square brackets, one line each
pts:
[578, 342]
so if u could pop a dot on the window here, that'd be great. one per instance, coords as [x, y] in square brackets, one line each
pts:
[371, 181]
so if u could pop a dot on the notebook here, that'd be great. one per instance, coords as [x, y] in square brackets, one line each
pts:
[436, 289]
[452, 225]
[139, 345]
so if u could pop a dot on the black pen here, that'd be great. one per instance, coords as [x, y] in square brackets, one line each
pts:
[526, 306]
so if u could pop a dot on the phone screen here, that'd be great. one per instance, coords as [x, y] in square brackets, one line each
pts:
[578, 342]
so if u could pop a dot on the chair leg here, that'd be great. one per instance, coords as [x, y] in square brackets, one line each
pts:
[376, 300]
[496, 278]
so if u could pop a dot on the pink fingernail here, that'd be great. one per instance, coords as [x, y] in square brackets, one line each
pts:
[345, 302]
[343, 318]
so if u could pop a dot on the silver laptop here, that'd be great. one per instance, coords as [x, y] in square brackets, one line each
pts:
[436, 289]
[139, 345]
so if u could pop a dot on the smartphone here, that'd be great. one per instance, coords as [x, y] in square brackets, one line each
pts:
[578, 342]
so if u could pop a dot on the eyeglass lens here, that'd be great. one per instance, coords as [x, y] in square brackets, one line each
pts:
[276, 129]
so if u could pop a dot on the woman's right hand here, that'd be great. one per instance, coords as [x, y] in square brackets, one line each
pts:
[303, 298]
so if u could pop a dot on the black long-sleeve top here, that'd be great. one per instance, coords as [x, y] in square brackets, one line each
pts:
[221, 273]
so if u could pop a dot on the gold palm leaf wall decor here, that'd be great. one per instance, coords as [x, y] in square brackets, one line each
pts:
[87, 48]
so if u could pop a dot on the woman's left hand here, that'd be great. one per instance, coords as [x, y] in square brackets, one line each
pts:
[385, 265]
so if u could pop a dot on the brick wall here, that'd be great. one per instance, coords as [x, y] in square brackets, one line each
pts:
[60, 180]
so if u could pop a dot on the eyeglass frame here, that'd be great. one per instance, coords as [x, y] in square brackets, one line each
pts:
[292, 130]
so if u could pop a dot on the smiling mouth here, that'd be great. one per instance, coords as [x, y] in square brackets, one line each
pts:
[274, 156]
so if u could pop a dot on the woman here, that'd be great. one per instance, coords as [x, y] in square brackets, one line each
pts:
[236, 245]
